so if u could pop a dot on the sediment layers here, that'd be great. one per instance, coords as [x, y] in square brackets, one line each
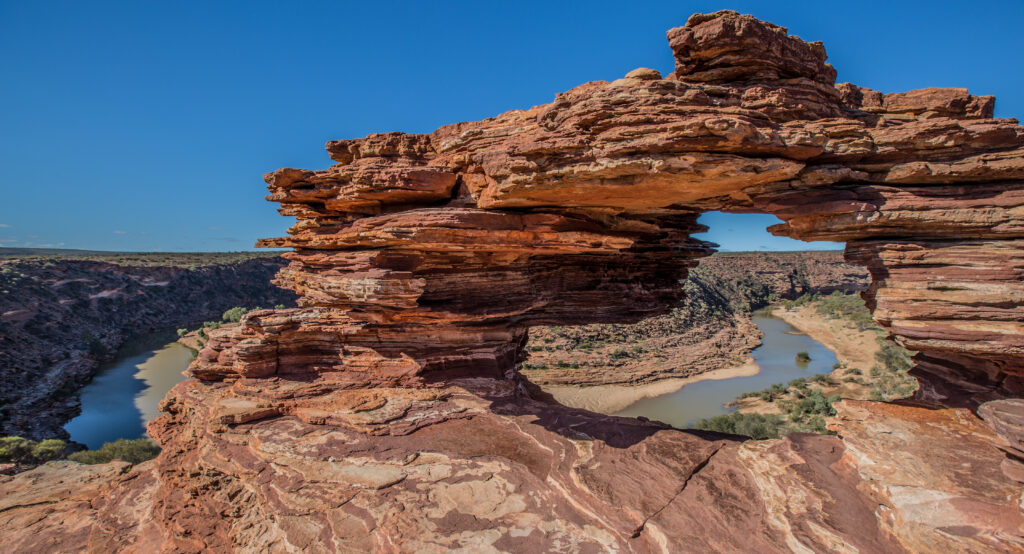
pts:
[386, 412]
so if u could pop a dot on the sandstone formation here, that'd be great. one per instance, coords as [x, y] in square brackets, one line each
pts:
[387, 413]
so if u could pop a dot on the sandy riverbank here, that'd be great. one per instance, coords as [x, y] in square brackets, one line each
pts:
[610, 399]
[852, 347]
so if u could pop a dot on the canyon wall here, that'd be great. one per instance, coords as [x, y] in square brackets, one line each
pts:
[387, 412]
[711, 330]
[60, 318]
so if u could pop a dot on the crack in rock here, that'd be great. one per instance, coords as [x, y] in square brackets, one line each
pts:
[640, 529]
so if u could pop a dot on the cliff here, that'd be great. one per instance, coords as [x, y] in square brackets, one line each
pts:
[60, 317]
[387, 412]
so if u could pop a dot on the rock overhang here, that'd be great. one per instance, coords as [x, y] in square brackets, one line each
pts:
[386, 412]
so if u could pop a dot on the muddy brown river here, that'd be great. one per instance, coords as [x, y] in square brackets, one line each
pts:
[777, 359]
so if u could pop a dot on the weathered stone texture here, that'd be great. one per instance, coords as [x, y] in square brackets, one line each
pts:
[386, 412]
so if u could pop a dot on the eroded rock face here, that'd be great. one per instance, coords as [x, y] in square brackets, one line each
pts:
[387, 413]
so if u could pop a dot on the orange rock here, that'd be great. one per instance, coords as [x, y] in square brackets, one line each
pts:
[387, 412]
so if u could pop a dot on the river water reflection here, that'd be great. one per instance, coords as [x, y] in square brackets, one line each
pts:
[125, 392]
[777, 359]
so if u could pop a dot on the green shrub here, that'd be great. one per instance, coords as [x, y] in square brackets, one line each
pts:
[182, 332]
[756, 426]
[824, 379]
[814, 403]
[893, 356]
[132, 451]
[816, 424]
[49, 449]
[619, 353]
[14, 449]
[906, 389]
[846, 306]
[279, 306]
[234, 314]
[27, 452]
[803, 357]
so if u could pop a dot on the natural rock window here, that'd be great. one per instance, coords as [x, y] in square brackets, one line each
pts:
[388, 411]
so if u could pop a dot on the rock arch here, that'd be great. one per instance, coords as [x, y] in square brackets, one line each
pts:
[581, 210]
[386, 411]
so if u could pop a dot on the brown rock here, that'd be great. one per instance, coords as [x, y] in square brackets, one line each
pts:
[387, 411]
[644, 74]
[726, 47]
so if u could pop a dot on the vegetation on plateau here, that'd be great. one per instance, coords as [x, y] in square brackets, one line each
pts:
[10, 276]
[190, 260]
[233, 315]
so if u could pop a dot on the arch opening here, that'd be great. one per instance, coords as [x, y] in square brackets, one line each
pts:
[770, 333]
[582, 212]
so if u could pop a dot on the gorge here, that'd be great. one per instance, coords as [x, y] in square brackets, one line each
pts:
[698, 340]
[61, 316]
[388, 411]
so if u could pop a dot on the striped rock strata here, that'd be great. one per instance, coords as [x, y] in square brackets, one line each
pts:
[387, 413]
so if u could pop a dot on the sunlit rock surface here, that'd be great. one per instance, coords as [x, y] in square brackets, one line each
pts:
[387, 413]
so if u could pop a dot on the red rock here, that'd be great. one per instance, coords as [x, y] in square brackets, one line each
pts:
[387, 412]
[935, 475]
[726, 47]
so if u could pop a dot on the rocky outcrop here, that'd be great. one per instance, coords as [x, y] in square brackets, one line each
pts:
[59, 318]
[387, 413]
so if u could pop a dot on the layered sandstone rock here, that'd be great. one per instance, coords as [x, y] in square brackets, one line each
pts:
[387, 413]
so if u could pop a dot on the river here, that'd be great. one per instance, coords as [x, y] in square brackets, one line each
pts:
[777, 359]
[124, 394]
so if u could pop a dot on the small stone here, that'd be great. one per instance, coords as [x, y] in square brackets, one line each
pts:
[644, 74]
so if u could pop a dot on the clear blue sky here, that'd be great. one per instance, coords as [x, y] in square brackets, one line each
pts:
[147, 125]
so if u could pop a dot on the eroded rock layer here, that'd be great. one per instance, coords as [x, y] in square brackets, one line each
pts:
[387, 412]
